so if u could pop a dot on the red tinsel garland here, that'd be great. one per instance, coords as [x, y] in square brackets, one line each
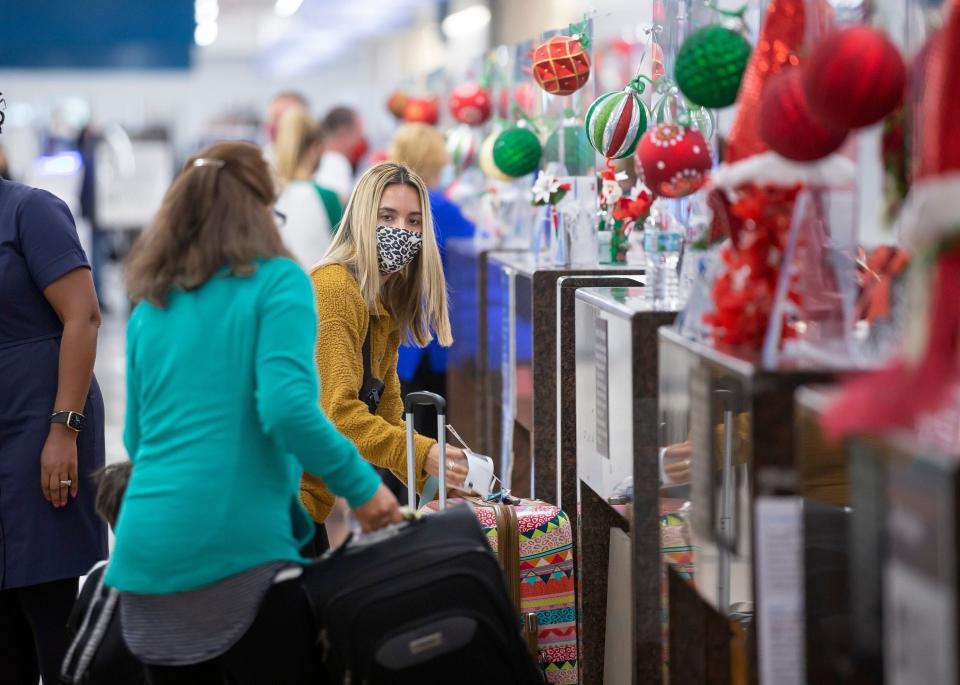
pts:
[758, 222]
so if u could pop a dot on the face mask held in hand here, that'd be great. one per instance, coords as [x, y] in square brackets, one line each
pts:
[396, 247]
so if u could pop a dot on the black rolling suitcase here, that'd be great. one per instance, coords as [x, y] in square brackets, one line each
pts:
[421, 603]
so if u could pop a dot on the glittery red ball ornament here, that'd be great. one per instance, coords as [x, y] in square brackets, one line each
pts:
[396, 102]
[672, 160]
[421, 110]
[561, 65]
[854, 77]
[789, 126]
[470, 104]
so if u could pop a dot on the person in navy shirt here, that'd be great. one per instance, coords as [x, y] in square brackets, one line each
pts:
[423, 149]
[51, 430]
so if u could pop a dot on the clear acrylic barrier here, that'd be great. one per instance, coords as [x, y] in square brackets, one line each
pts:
[812, 322]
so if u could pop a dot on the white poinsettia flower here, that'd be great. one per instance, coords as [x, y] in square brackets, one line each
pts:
[544, 187]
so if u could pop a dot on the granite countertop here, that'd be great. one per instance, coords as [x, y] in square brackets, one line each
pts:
[743, 361]
[524, 263]
[626, 301]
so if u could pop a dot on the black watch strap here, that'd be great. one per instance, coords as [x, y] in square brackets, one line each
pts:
[73, 420]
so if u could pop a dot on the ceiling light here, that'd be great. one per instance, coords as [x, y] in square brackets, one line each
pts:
[287, 8]
[205, 34]
[465, 21]
[206, 11]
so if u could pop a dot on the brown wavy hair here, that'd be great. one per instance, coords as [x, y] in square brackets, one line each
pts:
[218, 213]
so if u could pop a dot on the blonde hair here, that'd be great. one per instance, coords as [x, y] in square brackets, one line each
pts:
[421, 147]
[297, 132]
[416, 296]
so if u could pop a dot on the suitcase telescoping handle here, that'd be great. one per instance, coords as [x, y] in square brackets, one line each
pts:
[410, 402]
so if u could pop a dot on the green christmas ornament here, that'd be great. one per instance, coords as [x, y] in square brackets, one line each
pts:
[710, 65]
[578, 155]
[517, 152]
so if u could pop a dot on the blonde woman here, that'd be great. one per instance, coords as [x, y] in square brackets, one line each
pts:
[311, 212]
[423, 148]
[381, 276]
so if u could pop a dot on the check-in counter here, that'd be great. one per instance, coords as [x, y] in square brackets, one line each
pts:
[467, 367]
[520, 388]
[904, 537]
[616, 460]
[822, 646]
[921, 627]
[739, 420]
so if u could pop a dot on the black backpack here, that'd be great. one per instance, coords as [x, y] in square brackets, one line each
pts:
[424, 602]
[97, 653]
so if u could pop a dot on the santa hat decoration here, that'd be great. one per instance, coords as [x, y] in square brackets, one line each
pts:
[923, 378]
[780, 38]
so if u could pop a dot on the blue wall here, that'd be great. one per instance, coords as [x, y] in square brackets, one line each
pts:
[116, 34]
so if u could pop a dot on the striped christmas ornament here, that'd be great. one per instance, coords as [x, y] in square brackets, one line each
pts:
[615, 122]
[463, 144]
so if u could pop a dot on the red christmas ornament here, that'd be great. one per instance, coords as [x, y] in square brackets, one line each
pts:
[790, 127]
[673, 161]
[854, 77]
[396, 102]
[561, 66]
[470, 104]
[421, 110]
[781, 37]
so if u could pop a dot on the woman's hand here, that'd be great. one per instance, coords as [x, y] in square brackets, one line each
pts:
[676, 463]
[380, 510]
[456, 465]
[58, 462]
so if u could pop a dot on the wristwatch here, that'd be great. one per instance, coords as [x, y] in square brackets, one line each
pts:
[72, 419]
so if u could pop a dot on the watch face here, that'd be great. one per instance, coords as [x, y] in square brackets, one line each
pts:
[75, 421]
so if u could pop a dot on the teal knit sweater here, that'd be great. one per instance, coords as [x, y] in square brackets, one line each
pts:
[222, 419]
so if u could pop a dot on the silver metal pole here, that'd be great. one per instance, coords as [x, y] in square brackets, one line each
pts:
[442, 444]
[411, 475]
[726, 513]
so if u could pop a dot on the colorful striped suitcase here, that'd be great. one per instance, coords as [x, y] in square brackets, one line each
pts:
[533, 541]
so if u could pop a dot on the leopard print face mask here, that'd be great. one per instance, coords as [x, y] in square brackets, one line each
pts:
[396, 247]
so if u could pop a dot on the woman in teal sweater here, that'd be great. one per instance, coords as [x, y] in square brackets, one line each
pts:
[222, 419]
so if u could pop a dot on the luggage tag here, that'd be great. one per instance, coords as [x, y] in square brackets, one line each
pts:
[480, 477]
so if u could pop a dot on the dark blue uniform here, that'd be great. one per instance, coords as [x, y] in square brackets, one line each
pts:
[38, 543]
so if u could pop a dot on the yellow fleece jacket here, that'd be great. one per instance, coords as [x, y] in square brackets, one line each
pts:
[342, 319]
